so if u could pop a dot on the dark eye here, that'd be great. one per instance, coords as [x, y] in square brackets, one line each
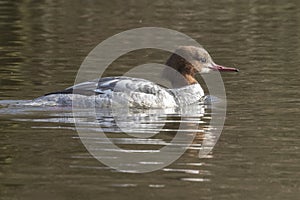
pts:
[203, 60]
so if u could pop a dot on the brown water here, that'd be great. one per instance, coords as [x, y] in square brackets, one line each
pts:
[42, 45]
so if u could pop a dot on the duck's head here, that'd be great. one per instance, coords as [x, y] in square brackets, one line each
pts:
[190, 60]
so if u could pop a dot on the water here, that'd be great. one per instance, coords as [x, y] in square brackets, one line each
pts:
[257, 156]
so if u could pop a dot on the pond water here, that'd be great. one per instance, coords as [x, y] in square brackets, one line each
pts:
[257, 156]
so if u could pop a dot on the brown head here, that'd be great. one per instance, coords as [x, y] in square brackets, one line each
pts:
[188, 61]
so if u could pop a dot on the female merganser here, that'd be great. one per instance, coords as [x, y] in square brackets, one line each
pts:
[187, 61]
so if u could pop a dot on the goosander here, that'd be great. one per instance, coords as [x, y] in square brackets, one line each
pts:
[186, 61]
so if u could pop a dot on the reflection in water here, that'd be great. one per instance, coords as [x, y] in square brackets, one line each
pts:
[152, 128]
[133, 131]
[138, 131]
[154, 138]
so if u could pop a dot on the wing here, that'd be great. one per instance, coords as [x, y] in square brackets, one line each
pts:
[109, 84]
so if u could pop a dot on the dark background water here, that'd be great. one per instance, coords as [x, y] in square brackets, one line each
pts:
[42, 44]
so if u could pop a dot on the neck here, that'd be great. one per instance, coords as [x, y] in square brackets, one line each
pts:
[190, 79]
[180, 72]
[178, 79]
